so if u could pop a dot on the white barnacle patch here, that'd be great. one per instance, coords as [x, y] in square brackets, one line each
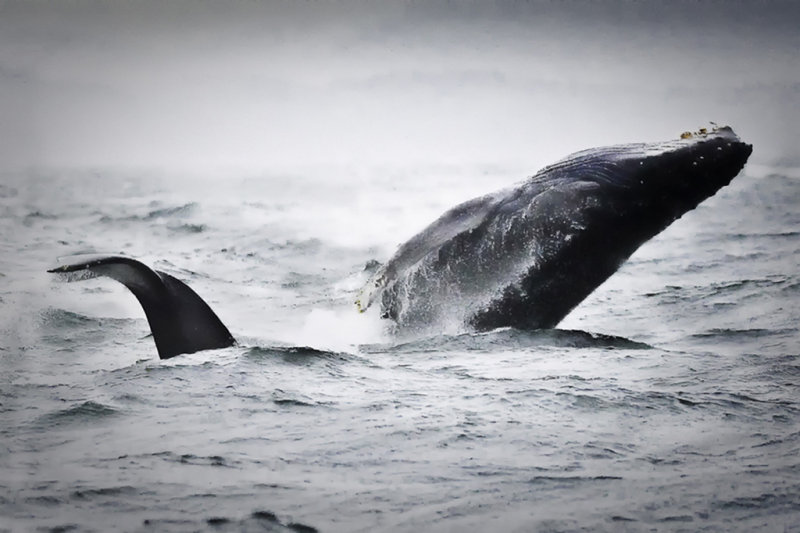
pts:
[366, 295]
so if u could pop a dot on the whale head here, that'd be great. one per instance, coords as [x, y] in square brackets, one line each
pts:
[656, 182]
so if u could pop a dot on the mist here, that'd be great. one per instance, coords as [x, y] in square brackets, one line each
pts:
[204, 86]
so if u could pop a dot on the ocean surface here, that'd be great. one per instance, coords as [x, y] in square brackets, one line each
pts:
[669, 400]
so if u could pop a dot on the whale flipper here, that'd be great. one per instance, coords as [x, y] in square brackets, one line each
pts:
[180, 320]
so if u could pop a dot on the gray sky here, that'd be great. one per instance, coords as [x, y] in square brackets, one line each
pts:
[199, 85]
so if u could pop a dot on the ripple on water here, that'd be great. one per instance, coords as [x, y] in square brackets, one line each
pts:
[187, 228]
[103, 492]
[258, 520]
[735, 335]
[298, 354]
[509, 339]
[191, 459]
[82, 413]
[155, 213]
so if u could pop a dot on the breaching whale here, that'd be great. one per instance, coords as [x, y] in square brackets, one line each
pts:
[522, 257]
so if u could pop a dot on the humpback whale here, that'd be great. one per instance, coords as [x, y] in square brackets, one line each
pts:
[180, 320]
[524, 257]
[521, 257]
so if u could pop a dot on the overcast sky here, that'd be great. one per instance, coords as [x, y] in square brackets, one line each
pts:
[198, 85]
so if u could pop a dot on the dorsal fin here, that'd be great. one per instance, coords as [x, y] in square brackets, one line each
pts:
[180, 320]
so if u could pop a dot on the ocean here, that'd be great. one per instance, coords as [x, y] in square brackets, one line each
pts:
[668, 400]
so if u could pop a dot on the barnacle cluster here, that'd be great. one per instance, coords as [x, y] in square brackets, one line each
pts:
[700, 132]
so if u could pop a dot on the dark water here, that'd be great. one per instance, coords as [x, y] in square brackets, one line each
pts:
[667, 401]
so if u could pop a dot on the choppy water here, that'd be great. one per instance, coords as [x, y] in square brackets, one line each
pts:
[668, 400]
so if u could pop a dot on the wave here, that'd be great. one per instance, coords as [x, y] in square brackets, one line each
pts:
[569, 481]
[62, 318]
[85, 412]
[786, 499]
[292, 353]
[174, 211]
[53, 320]
[743, 288]
[258, 520]
[187, 228]
[177, 211]
[734, 334]
[103, 492]
[173, 217]
[191, 459]
[510, 338]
